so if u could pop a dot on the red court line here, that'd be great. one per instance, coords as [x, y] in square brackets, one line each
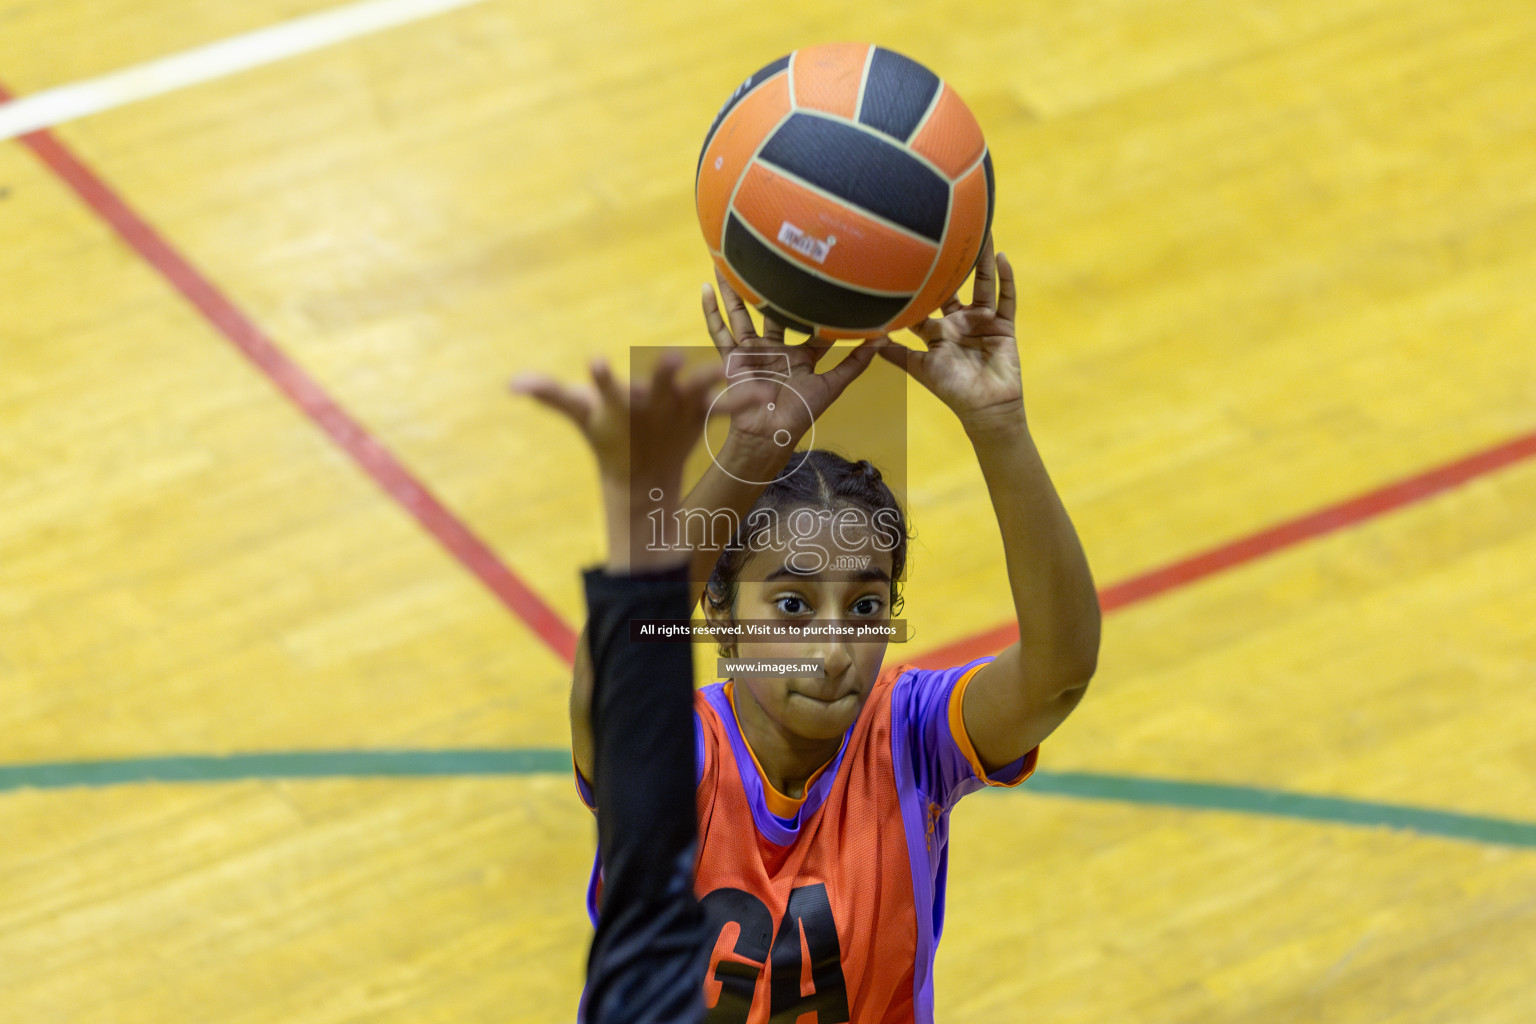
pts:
[1246, 549]
[302, 389]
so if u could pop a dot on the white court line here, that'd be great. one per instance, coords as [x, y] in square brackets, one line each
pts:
[215, 60]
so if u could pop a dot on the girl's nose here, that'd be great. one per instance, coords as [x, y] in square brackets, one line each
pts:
[836, 657]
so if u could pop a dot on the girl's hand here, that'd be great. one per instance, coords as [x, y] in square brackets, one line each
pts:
[780, 419]
[972, 357]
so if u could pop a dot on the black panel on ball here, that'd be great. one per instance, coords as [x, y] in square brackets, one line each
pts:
[862, 169]
[783, 284]
[896, 94]
[754, 80]
[786, 321]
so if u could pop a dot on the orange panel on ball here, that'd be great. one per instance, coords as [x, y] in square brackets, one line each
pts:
[827, 77]
[735, 142]
[950, 137]
[829, 238]
[962, 244]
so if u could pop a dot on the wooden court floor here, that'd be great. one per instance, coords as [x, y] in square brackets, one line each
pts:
[288, 582]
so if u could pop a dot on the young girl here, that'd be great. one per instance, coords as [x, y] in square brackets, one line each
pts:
[823, 799]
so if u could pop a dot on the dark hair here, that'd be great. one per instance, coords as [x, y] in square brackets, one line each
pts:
[819, 479]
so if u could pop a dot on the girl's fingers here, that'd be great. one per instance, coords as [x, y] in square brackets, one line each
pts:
[715, 324]
[773, 331]
[909, 359]
[952, 304]
[817, 348]
[736, 310]
[984, 290]
[1007, 295]
[930, 330]
[854, 363]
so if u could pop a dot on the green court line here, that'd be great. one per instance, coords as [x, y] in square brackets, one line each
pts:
[1132, 789]
[1210, 796]
[318, 764]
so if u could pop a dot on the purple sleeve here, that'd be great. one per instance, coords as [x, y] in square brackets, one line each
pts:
[584, 789]
[940, 769]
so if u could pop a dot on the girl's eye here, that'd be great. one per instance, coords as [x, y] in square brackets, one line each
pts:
[867, 605]
[791, 605]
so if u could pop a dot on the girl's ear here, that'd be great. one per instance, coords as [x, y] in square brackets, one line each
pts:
[721, 616]
[717, 603]
[711, 612]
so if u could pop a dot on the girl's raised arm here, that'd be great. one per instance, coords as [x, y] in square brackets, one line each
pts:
[971, 363]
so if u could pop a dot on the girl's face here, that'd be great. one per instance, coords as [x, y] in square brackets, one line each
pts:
[777, 586]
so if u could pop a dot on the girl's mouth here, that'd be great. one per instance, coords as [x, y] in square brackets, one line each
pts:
[827, 700]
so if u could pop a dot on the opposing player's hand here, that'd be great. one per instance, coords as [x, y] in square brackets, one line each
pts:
[641, 433]
[971, 355]
[789, 370]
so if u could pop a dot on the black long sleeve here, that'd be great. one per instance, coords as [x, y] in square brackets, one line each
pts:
[650, 952]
